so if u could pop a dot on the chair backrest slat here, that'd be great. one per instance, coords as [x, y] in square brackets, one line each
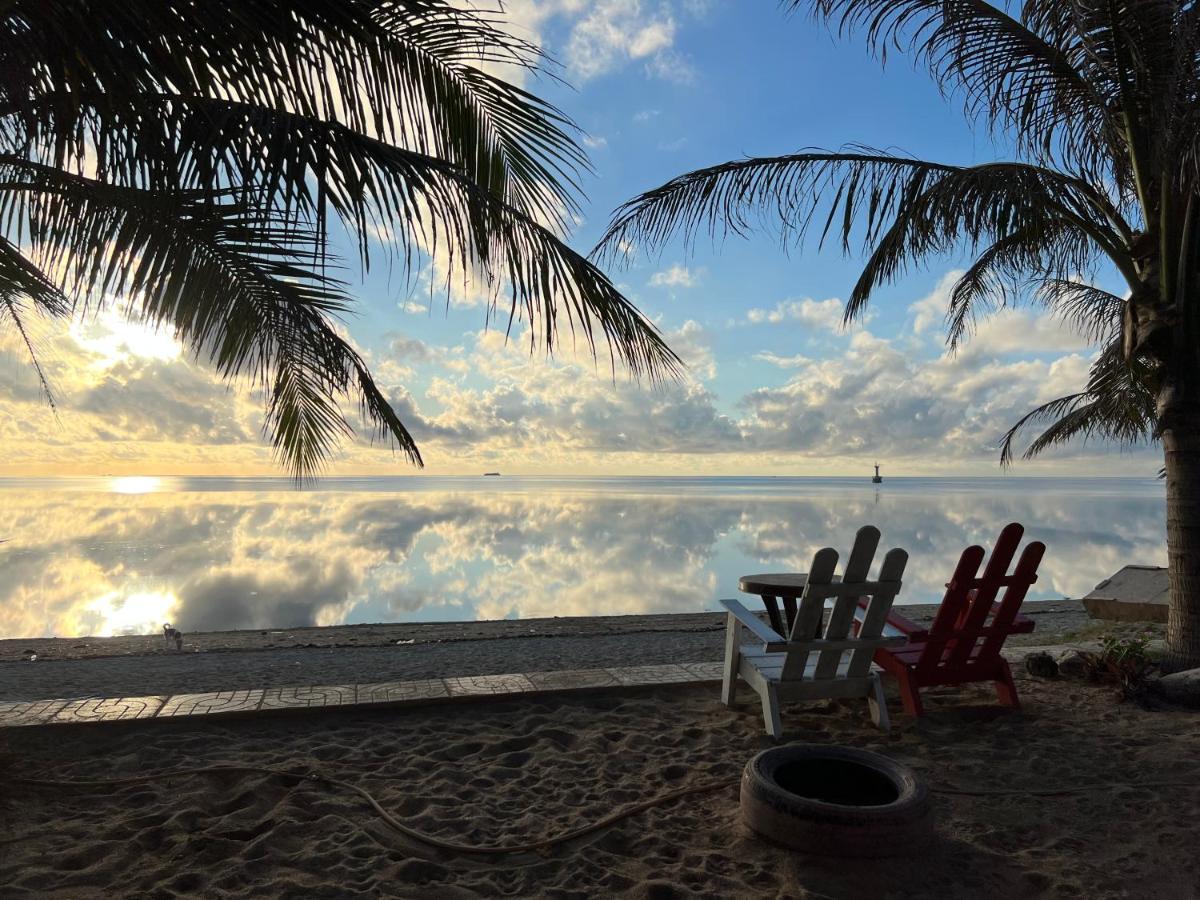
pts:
[823, 585]
[858, 567]
[948, 615]
[983, 592]
[967, 606]
[808, 616]
[1024, 577]
[875, 616]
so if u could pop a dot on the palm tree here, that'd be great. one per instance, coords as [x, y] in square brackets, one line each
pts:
[1101, 101]
[193, 158]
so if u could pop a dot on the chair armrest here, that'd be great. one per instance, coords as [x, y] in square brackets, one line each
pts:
[896, 623]
[760, 629]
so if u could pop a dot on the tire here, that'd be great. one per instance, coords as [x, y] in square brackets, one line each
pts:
[836, 801]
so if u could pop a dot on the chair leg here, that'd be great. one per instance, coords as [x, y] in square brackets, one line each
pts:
[910, 695]
[770, 707]
[732, 660]
[877, 701]
[1006, 688]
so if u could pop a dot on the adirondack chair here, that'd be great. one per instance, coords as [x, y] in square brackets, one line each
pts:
[963, 643]
[810, 664]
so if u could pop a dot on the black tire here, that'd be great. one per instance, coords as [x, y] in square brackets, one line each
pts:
[836, 801]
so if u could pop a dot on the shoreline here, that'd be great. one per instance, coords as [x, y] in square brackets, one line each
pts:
[353, 654]
[1057, 620]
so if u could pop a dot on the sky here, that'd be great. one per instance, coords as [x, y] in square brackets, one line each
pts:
[774, 384]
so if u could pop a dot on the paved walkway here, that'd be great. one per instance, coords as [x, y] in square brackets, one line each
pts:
[258, 700]
[17, 713]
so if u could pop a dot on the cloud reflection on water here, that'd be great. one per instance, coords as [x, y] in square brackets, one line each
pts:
[81, 562]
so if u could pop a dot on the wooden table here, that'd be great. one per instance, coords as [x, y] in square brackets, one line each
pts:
[773, 587]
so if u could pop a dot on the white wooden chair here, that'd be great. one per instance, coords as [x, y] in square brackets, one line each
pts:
[810, 664]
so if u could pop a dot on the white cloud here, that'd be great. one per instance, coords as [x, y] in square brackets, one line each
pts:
[820, 314]
[930, 310]
[645, 115]
[783, 362]
[675, 276]
[595, 142]
[1003, 332]
[612, 32]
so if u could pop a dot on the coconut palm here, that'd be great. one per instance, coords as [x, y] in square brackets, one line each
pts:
[1101, 103]
[192, 159]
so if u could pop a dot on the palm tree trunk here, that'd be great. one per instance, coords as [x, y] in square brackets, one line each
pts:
[1181, 443]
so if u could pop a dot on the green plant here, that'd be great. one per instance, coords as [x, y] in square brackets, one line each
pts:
[1123, 660]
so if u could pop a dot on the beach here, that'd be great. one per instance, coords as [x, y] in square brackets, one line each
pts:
[515, 771]
[212, 661]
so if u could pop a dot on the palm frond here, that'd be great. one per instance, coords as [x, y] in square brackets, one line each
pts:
[197, 155]
[1093, 312]
[1015, 73]
[1117, 405]
[903, 209]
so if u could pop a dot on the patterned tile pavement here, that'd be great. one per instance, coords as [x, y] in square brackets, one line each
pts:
[207, 704]
[402, 691]
[573, 679]
[29, 712]
[488, 685]
[15, 713]
[109, 709]
[308, 697]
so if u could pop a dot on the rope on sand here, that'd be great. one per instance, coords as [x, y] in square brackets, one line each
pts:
[545, 844]
[539, 846]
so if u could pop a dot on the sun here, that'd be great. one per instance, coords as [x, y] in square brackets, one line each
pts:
[114, 337]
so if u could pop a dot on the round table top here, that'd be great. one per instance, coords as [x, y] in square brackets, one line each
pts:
[776, 584]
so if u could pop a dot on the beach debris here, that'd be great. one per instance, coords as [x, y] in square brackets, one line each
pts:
[1041, 665]
[31, 655]
[1073, 663]
[409, 641]
[172, 636]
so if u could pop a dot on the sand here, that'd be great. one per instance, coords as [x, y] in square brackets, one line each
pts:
[135, 666]
[522, 769]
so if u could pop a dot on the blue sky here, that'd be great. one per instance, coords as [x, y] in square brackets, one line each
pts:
[774, 385]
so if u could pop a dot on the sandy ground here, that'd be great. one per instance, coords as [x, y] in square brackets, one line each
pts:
[130, 666]
[523, 769]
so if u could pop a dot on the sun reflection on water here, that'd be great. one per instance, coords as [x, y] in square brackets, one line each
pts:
[138, 613]
[134, 484]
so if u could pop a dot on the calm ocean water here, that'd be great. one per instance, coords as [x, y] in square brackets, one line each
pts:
[123, 555]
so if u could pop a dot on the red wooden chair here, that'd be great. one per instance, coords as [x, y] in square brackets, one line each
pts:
[963, 643]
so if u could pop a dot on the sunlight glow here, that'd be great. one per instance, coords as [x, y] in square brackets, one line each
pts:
[115, 337]
[141, 613]
[134, 484]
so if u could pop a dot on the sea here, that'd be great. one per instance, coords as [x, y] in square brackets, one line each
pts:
[104, 556]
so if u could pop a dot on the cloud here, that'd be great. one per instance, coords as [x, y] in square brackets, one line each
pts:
[409, 349]
[783, 362]
[876, 399]
[645, 115]
[1005, 331]
[825, 315]
[613, 32]
[930, 310]
[543, 410]
[595, 142]
[675, 276]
